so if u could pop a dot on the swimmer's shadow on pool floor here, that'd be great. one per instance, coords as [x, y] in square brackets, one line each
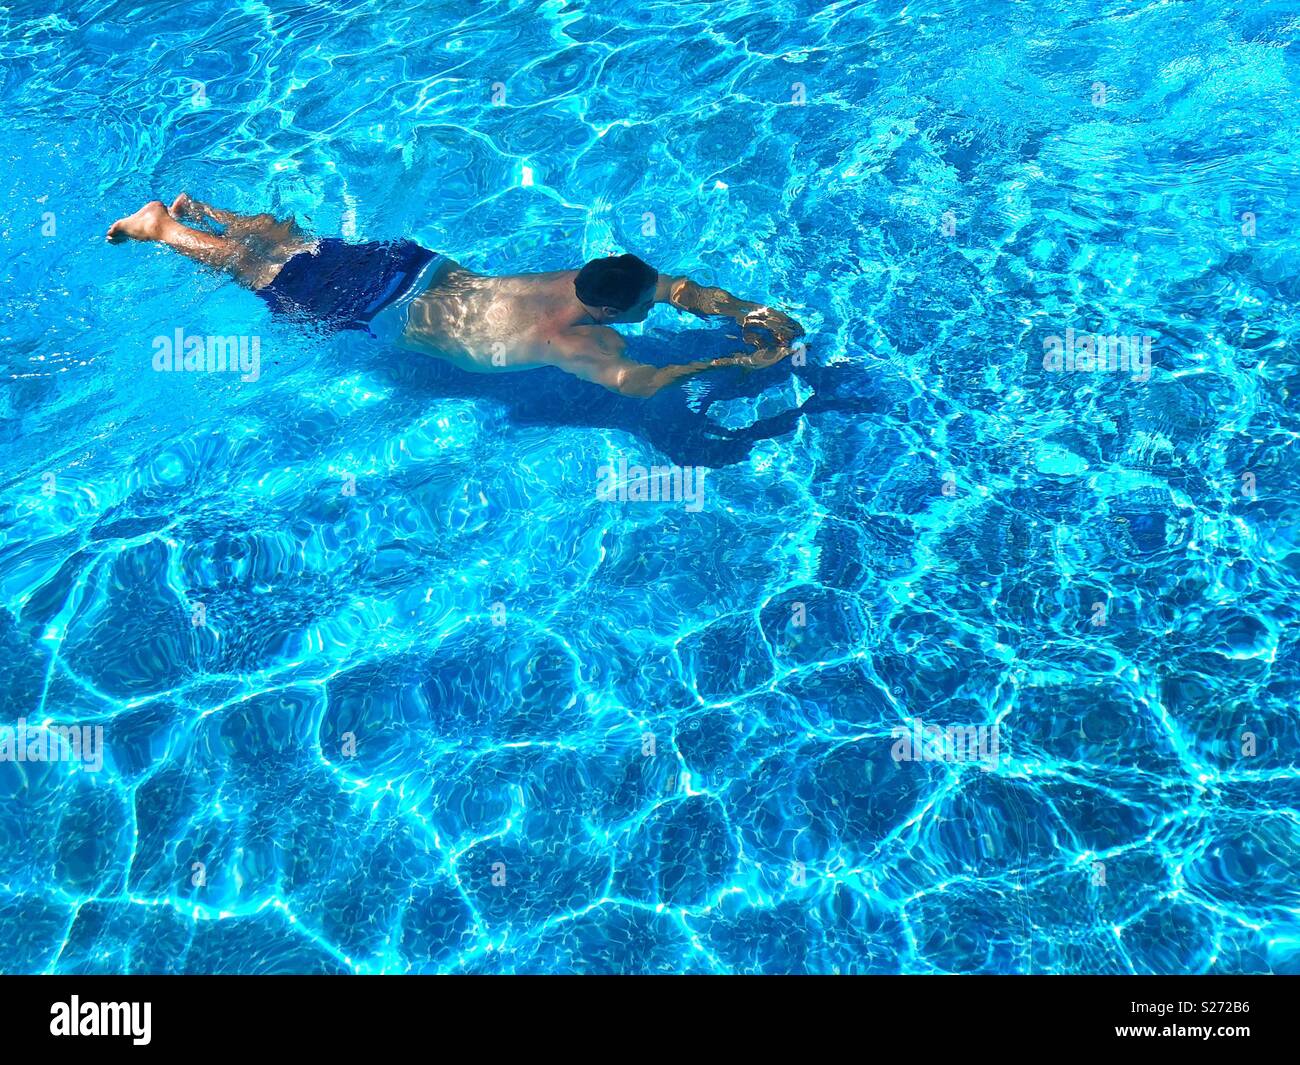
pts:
[677, 422]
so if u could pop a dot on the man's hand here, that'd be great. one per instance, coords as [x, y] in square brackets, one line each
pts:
[762, 358]
[778, 323]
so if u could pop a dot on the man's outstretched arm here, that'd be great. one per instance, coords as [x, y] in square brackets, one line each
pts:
[593, 355]
[707, 301]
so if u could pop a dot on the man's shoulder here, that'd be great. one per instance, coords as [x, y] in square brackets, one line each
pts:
[543, 277]
[587, 341]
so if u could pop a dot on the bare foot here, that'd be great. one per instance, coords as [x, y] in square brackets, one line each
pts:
[146, 224]
[181, 207]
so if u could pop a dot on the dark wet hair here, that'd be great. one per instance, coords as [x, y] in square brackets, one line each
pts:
[616, 281]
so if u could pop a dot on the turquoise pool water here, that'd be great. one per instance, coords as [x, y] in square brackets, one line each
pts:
[385, 687]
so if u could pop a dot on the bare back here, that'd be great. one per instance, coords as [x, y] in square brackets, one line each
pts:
[513, 322]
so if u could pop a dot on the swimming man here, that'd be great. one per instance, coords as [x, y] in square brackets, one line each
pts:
[424, 301]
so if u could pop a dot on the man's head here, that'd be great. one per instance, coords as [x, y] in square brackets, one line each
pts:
[619, 288]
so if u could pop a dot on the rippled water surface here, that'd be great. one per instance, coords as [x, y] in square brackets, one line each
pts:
[466, 716]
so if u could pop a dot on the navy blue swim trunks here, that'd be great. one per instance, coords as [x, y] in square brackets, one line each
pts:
[343, 286]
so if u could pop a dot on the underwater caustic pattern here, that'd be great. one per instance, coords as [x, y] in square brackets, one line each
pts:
[975, 650]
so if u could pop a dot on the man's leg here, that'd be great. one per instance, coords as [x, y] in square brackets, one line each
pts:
[265, 227]
[153, 223]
